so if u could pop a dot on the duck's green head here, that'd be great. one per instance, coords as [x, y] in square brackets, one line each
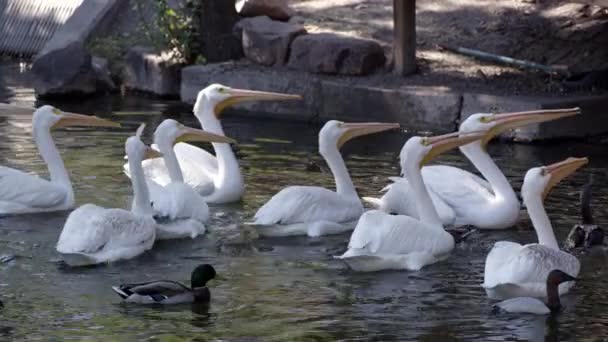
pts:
[201, 275]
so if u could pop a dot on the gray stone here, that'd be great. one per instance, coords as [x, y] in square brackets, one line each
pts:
[332, 54]
[102, 74]
[197, 77]
[433, 109]
[63, 66]
[592, 121]
[150, 72]
[266, 41]
[275, 9]
[216, 22]
[64, 70]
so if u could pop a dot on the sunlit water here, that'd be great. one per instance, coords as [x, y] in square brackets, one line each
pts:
[273, 289]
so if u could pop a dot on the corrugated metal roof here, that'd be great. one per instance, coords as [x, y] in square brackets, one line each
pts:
[26, 25]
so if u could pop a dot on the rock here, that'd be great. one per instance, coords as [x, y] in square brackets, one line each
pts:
[266, 41]
[434, 109]
[102, 74]
[332, 54]
[65, 69]
[275, 9]
[148, 71]
[216, 21]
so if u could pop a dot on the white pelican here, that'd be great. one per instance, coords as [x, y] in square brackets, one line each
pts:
[25, 193]
[316, 211]
[93, 234]
[534, 305]
[217, 178]
[513, 270]
[181, 211]
[460, 197]
[383, 241]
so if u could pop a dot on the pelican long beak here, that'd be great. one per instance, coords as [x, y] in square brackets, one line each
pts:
[192, 134]
[508, 121]
[354, 130]
[73, 119]
[443, 143]
[242, 95]
[561, 170]
[152, 153]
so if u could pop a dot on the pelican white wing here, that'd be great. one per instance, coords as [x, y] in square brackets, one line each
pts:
[21, 192]
[298, 204]
[513, 270]
[198, 166]
[398, 199]
[395, 242]
[456, 194]
[179, 201]
[104, 235]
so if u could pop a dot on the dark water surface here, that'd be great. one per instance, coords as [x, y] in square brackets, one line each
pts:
[287, 289]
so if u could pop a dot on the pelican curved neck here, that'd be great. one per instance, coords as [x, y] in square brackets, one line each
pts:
[52, 158]
[501, 187]
[141, 196]
[424, 204]
[171, 162]
[333, 158]
[540, 220]
[229, 173]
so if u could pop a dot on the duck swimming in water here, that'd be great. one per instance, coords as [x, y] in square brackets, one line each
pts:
[170, 292]
[586, 233]
[534, 305]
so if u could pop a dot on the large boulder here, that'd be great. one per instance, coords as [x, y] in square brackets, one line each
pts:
[63, 70]
[266, 41]
[276, 9]
[327, 53]
[148, 71]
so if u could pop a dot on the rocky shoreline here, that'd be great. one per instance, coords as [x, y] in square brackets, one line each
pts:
[339, 77]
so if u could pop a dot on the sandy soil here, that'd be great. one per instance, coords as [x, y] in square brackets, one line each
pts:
[543, 31]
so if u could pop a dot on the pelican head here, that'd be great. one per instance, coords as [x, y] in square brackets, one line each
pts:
[421, 150]
[220, 97]
[335, 133]
[495, 124]
[170, 132]
[136, 150]
[49, 117]
[540, 180]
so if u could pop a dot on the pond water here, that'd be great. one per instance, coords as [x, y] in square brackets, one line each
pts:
[284, 289]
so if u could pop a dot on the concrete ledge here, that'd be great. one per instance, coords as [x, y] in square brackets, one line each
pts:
[416, 108]
[434, 109]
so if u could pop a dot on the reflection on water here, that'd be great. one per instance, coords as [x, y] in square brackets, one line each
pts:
[273, 289]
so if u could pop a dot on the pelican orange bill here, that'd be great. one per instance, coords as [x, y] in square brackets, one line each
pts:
[357, 129]
[73, 119]
[561, 170]
[508, 121]
[443, 143]
[242, 95]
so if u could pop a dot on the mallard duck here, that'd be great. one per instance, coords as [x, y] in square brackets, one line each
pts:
[170, 292]
[534, 305]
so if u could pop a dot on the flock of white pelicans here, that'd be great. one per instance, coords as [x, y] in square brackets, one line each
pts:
[173, 181]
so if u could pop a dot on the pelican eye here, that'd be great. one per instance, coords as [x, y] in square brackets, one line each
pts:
[425, 141]
[56, 111]
[487, 119]
[543, 171]
[221, 89]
